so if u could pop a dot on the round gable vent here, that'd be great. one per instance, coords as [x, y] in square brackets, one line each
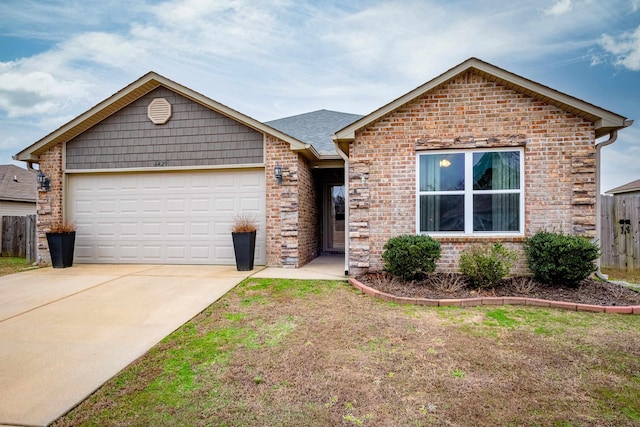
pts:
[159, 111]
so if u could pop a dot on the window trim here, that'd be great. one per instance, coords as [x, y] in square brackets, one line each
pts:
[469, 193]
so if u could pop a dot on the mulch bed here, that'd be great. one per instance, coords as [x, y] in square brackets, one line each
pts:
[451, 285]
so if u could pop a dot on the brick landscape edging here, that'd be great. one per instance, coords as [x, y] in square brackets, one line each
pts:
[471, 302]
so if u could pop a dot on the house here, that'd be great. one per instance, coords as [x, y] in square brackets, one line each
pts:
[156, 172]
[18, 191]
[629, 189]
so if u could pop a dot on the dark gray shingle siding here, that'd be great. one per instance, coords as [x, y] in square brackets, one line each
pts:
[194, 136]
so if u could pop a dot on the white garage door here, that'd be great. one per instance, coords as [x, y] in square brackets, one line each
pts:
[164, 217]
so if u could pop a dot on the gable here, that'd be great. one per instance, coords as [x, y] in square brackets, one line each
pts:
[473, 108]
[604, 121]
[194, 135]
[130, 94]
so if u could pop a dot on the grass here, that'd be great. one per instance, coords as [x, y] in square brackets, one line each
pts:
[319, 353]
[10, 265]
[632, 276]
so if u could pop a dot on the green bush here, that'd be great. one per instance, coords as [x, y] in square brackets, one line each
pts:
[560, 259]
[485, 265]
[410, 256]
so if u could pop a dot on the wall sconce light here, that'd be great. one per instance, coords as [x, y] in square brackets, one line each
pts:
[44, 182]
[278, 173]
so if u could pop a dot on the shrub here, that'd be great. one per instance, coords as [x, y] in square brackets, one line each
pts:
[560, 259]
[410, 256]
[485, 265]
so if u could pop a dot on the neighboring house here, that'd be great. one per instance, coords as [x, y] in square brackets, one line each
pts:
[156, 173]
[18, 191]
[629, 189]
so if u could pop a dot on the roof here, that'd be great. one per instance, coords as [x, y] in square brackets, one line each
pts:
[605, 121]
[315, 127]
[18, 184]
[135, 90]
[629, 187]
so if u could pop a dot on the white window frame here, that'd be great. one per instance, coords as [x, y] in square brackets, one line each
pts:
[469, 193]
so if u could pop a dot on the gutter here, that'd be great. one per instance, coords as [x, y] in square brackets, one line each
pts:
[613, 136]
[346, 207]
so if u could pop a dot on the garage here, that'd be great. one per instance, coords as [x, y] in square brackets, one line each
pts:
[181, 217]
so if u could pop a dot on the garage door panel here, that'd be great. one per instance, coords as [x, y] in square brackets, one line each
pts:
[107, 252]
[128, 253]
[181, 218]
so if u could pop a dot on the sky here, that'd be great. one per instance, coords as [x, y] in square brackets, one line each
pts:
[275, 58]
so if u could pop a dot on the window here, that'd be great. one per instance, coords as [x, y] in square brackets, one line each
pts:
[471, 192]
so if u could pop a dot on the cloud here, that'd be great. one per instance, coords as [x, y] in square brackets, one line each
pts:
[414, 39]
[619, 161]
[635, 5]
[177, 34]
[625, 49]
[35, 92]
[329, 49]
[560, 7]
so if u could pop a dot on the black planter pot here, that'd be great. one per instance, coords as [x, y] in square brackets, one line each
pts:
[244, 245]
[61, 248]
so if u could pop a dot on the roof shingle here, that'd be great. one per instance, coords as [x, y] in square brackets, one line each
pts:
[315, 128]
[17, 184]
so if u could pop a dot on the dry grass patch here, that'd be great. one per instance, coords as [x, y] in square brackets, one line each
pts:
[10, 265]
[281, 352]
[631, 276]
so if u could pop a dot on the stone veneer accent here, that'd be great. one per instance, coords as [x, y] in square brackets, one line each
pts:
[469, 111]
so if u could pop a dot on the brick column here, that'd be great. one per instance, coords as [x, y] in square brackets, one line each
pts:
[49, 205]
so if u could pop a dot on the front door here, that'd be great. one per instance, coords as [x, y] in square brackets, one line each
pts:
[334, 219]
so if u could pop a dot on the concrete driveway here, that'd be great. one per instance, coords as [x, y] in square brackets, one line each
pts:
[65, 332]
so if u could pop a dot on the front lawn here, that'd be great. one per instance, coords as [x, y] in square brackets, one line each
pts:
[632, 276]
[10, 265]
[304, 353]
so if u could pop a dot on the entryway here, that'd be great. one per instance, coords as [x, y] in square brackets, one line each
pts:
[334, 218]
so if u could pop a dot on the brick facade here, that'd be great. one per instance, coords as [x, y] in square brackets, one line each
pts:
[469, 111]
[49, 206]
[292, 209]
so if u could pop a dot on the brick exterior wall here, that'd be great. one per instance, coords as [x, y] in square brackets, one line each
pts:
[309, 214]
[49, 205]
[469, 111]
[292, 211]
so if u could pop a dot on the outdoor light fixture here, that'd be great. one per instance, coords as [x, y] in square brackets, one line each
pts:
[278, 173]
[44, 182]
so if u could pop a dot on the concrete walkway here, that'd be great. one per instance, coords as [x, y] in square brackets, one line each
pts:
[326, 267]
[65, 332]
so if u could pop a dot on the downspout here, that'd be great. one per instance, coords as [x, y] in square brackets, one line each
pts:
[613, 135]
[346, 207]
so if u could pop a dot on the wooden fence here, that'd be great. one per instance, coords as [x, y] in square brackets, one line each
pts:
[620, 237]
[19, 237]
